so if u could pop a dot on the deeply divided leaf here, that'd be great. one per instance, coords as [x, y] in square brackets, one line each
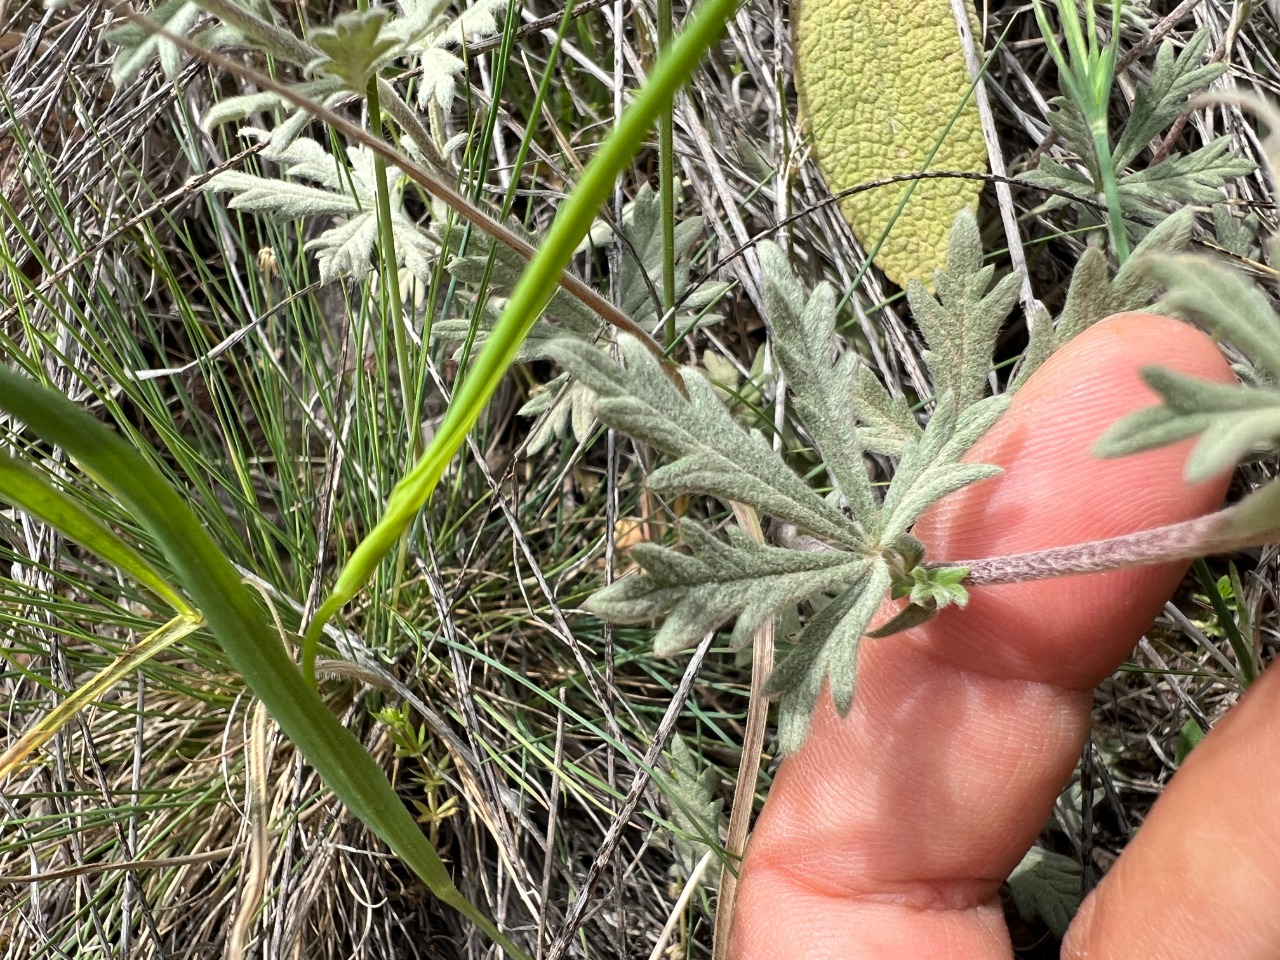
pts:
[697, 592]
[714, 454]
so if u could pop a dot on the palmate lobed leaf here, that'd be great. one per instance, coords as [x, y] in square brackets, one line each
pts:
[857, 555]
[931, 467]
[697, 592]
[1093, 294]
[1233, 420]
[354, 45]
[1160, 101]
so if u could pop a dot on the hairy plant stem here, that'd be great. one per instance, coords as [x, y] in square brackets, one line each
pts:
[1178, 541]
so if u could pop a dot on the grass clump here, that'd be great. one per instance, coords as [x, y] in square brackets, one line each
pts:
[280, 369]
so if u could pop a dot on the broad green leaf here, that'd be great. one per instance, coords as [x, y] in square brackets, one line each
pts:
[35, 494]
[887, 91]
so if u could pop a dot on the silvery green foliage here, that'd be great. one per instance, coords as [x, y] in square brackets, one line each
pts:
[251, 25]
[564, 404]
[1236, 235]
[695, 811]
[354, 47]
[804, 338]
[347, 249]
[339, 59]
[826, 650]
[1233, 421]
[1046, 885]
[698, 591]
[1094, 293]
[1178, 180]
[962, 322]
[428, 36]
[931, 468]
[137, 49]
[714, 454]
[867, 549]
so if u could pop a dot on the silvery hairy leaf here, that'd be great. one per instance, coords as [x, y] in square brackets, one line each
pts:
[825, 393]
[961, 323]
[1224, 302]
[826, 651]
[1157, 103]
[931, 467]
[353, 47]
[713, 453]
[346, 249]
[1232, 420]
[1182, 179]
[696, 814]
[1146, 195]
[694, 593]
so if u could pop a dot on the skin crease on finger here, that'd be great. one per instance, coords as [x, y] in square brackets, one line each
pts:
[888, 834]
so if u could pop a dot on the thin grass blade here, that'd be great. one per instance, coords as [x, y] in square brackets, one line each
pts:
[49, 725]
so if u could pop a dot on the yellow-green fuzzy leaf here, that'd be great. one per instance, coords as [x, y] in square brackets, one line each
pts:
[879, 81]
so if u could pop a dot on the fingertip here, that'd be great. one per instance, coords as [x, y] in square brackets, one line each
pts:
[1201, 878]
[1055, 492]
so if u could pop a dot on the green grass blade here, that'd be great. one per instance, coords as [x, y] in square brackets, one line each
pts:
[28, 490]
[129, 661]
[528, 299]
[251, 644]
